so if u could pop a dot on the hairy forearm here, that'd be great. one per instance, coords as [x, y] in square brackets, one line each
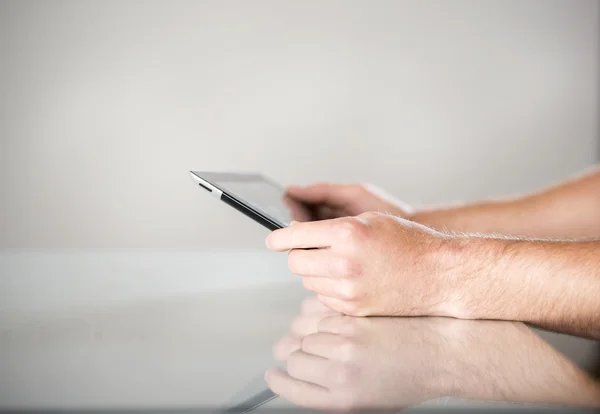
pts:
[568, 210]
[550, 284]
[527, 371]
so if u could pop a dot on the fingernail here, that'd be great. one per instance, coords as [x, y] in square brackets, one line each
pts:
[268, 241]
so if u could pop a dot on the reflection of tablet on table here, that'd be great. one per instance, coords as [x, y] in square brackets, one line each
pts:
[255, 196]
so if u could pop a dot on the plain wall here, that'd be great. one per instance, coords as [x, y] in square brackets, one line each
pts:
[106, 105]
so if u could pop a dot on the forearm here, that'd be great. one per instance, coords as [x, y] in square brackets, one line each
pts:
[554, 285]
[568, 210]
[531, 371]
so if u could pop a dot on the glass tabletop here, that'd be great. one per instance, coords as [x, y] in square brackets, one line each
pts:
[98, 332]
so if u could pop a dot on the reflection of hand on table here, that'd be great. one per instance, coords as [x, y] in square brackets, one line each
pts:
[337, 362]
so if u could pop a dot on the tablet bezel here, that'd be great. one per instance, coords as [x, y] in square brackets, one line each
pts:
[209, 180]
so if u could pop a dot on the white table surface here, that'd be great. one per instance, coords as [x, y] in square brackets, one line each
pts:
[153, 329]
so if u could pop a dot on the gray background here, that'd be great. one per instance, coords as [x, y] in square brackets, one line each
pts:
[105, 106]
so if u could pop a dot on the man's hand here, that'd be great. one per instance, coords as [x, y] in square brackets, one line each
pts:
[373, 264]
[570, 209]
[342, 363]
[377, 264]
[341, 200]
[361, 364]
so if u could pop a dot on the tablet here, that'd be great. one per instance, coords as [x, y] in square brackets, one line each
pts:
[255, 196]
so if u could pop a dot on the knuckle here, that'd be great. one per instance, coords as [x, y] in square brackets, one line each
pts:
[370, 215]
[345, 230]
[350, 229]
[345, 267]
[350, 290]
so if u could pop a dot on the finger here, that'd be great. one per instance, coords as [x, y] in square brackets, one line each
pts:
[309, 368]
[299, 392]
[324, 286]
[345, 307]
[312, 263]
[285, 346]
[302, 236]
[340, 325]
[334, 195]
[323, 344]
[307, 324]
[311, 305]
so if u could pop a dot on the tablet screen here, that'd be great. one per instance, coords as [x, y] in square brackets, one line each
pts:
[262, 196]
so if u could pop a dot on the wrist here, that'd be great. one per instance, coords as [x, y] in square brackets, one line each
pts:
[453, 340]
[467, 266]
